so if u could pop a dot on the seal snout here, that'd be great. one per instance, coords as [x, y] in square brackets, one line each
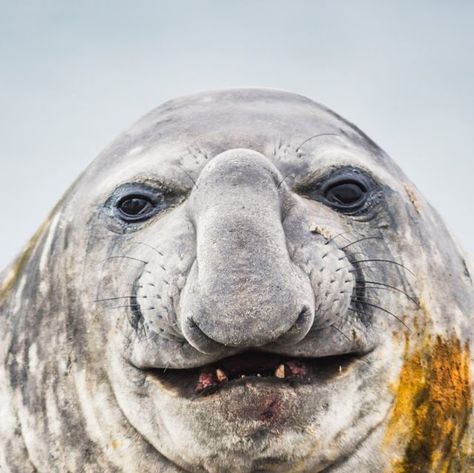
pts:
[243, 290]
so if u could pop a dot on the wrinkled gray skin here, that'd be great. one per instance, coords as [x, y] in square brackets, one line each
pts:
[241, 259]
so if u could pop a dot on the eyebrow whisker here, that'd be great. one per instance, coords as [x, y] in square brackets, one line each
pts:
[312, 138]
[126, 257]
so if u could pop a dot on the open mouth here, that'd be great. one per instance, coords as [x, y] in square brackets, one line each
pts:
[252, 367]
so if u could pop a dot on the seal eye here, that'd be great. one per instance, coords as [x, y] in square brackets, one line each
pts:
[136, 207]
[348, 194]
[132, 203]
[347, 190]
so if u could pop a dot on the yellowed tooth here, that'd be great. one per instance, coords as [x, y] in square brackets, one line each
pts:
[280, 372]
[220, 375]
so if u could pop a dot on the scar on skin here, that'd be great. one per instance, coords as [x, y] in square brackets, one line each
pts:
[433, 402]
[413, 198]
[322, 231]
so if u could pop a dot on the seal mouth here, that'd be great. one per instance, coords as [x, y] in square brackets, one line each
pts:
[256, 367]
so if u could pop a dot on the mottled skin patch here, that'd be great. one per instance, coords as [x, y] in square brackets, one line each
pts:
[463, 459]
[432, 405]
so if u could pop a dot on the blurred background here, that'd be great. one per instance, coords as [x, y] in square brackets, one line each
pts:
[75, 74]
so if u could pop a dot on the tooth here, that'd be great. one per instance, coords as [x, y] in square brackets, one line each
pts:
[280, 372]
[259, 375]
[242, 376]
[220, 375]
[340, 369]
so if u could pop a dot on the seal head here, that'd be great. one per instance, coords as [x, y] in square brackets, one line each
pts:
[241, 282]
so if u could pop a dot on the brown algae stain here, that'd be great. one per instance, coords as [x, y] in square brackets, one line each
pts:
[116, 444]
[326, 233]
[432, 407]
[15, 270]
[17, 267]
[413, 198]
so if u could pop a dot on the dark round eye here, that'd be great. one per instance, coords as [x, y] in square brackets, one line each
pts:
[135, 208]
[345, 193]
[348, 190]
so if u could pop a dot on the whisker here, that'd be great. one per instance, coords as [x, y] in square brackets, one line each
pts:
[346, 256]
[342, 248]
[338, 235]
[119, 297]
[375, 306]
[114, 298]
[363, 299]
[385, 287]
[127, 305]
[312, 138]
[356, 271]
[384, 261]
[149, 246]
[362, 239]
[283, 180]
[190, 177]
[341, 332]
[126, 257]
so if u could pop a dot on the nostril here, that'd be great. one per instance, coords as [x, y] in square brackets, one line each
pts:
[299, 329]
[198, 339]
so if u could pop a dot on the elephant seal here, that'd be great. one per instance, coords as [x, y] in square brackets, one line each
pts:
[241, 282]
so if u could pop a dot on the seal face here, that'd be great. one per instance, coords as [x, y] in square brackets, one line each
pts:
[242, 282]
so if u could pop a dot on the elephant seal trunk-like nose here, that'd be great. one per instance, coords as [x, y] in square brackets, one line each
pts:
[243, 290]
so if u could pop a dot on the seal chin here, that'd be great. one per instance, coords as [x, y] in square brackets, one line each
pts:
[252, 409]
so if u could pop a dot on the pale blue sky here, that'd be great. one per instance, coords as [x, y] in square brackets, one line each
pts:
[74, 74]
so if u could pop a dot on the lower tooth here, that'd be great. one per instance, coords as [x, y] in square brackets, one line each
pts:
[221, 376]
[280, 372]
